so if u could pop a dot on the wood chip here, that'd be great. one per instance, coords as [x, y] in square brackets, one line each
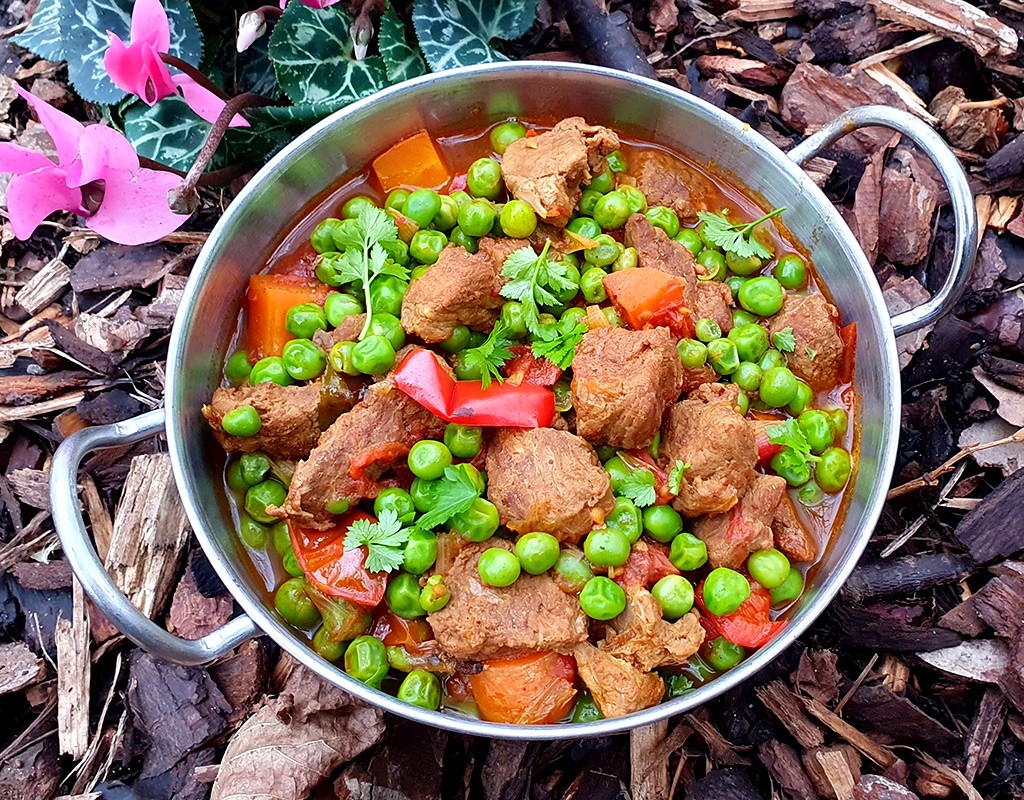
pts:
[19, 667]
[985, 730]
[115, 266]
[761, 10]
[915, 105]
[834, 771]
[31, 487]
[954, 19]
[783, 764]
[992, 529]
[42, 408]
[882, 756]
[649, 776]
[99, 517]
[899, 50]
[74, 673]
[787, 708]
[20, 390]
[44, 287]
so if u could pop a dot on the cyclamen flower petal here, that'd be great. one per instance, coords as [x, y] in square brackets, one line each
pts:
[33, 196]
[251, 26]
[134, 208]
[65, 131]
[137, 69]
[204, 102]
[150, 25]
[19, 160]
[316, 3]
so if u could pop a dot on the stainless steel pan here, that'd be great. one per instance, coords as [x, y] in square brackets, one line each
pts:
[344, 144]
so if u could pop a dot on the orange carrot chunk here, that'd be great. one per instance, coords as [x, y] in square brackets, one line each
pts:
[535, 689]
[269, 298]
[412, 163]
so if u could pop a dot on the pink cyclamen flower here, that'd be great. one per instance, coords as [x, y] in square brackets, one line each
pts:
[313, 3]
[133, 209]
[137, 68]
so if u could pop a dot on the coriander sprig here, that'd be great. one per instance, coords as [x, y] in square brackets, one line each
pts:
[490, 356]
[559, 348]
[638, 486]
[531, 280]
[384, 541]
[735, 237]
[789, 435]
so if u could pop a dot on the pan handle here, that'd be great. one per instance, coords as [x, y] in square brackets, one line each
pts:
[965, 217]
[85, 561]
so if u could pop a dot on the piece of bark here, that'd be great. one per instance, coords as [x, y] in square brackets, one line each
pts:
[192, 615]
[20, 390]
[409, 763]
[1010, 400]
[83, 353]
[99, 518]
[722, 750]
[32, 774]
[31, 487]
[113, 405]
[969, 126]
[783, 764]
[116, 335]
[149, 534]
[44, 287]
[180, 781]
[789, 711]
[895, 674]
[985, 730]
[901, 294]
[909, 200]
[817, 675]
[160, 314]
[649, 778]
[907, 575]
[982, 660]
[881, 755]
[867, 202]
[893, 718]
[834, 770]
[954, 19]
[19, 667]
[744, 71]
[991, 530]
[761, 10]
[508, 769]
[849, 33]
[41, 610]
[241, 677]
[881, 627]
[74, 677]
[113, 266]
[878, 787]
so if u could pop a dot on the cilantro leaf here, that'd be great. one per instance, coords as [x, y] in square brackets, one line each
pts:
[736, 237]
[559, 348]
[384, 541]
[789, 435]
[784, 340]
[452, 494]
[491, 355]
[675, 476]
[638, 486]
[531, 280]
[811, 353]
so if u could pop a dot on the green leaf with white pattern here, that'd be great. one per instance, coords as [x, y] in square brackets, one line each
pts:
[87, 21]
[458, 33]
[402, 60]
[312, 54]
[302, 114]
[168, 132]
[43, 35]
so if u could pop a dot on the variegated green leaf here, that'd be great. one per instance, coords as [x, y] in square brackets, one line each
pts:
[168, 132]
[85, 24]
[312, 54]
[43, 35]
[458, 33]
[291, 115]
[402, 60]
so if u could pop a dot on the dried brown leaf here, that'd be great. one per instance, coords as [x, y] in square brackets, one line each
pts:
[19, 667]
[982, 660]
[1007, 457]
[1011, 402]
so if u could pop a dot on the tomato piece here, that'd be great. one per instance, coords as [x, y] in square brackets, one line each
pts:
[525, 367]
[333, 570]
[268, 300]
[750, 625]
[397, 632]
[849, 336]
[647, 564]
[649, 298]
[535, 689]
[414, 163]
[642, 459]
[765, 447]
[459, 183]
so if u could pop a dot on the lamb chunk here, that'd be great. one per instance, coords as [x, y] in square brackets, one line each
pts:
[705, 432]
[641, 637]
[733, 536]
[819, 350]
[546, 171]
[714, 301]
[695, 378]
[655, 250]
[617, 686]
[623, 380]
[483, 622]
[791, 536]
[462, 288]
[347, 331]
[497, 250]
[648, 563]
[543, 479]
[667, 181]
[290, 416]
[354, 454]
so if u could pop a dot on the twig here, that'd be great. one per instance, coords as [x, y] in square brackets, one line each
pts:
[932, 478]
[856, 684]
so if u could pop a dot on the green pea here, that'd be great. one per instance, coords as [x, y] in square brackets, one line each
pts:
[572, 288]
[325, 647]
[366, 660]
[689, 239]
[291, 563]
[722, 356]
[479, 522]
[810, 494]
[603, 182]
[387, 292]
[398, 501]
[322, 237]
[734, 282]
[243, 421]
[280, 538]
[303, 359]
[585, 227]
[513, 317]
[803, 399]
[692, 354]
[345, 231]
[789, 464]
[768, 567]
[237, 368]
[585, 710]
[741, 317]
[742, 402]
[702, 232]
[707, 329]
[625, 517]
[612, 316]
[251, 532]
[675, 596]
[426, 246]
[421, 206]
[602, 598]
[476, 218]
[791, 271]
[604, 254]
[340, 358]
[778, 387]
[747, 376]
[687, 552]
[518, 219]
[713, 262]
[327, 269]
[537, 552]
[743, 265]
[270, 370]
[627, 259]
[840, 421]
[390, 327]
[423, 494]
[772, 358]
[592, 285]
[588, 202]
[458, 341]
[484, 178]
[635, 198]
[435, 594]
[572, 571]
[662, 523]
[254, 466]
[464, 441]
[447, 215]
[664, 218]
[762, 296]
[498, 567]
[724, 591]
[428, 459]
[790, 589]
[292, 603]
[618, 472]
[338, 307]
[617, 162]
[421, 688]
[606, 547]
[464, 240]
[403, 596]
[354, 206]
[724, 655]
[374, 355]
[817, 428]
[258, 497]
[397, 199]
[834, 469]
[504, 134]
[612, 210]
[420, 549]
[751, 341]
[467, 369]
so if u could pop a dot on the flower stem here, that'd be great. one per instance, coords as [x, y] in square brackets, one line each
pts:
[194, 74]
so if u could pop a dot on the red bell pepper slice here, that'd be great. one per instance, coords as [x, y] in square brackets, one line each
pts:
[333, 570]
[849, 336]
[525, 367]
[467, 402]
[750, 625]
